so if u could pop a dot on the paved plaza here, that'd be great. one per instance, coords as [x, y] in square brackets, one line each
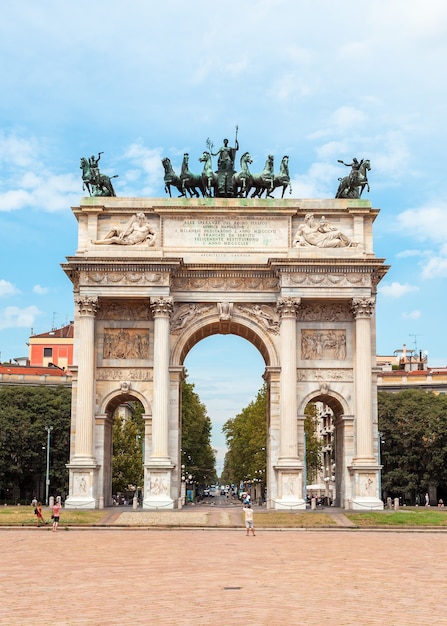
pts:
[206, 576]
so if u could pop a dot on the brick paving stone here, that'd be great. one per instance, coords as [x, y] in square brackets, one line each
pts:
[200, 577]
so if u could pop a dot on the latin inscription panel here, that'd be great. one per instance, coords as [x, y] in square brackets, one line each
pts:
[216, 232]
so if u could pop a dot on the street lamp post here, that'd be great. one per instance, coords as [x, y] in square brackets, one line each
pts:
[47, 481]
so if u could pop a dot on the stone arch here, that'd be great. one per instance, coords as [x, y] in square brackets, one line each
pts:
[239, 325]
[117, 397]
[332, 399]
[103, 434]
[342, 435]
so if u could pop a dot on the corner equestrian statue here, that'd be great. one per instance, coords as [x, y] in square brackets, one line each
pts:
[357, 178]
[97, 184]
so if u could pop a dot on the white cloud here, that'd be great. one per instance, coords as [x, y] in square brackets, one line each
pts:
[436, 267]
[396, 290]
[414, 315]
[405, 254]
[40, 290]
[14, 317]
[424, 223]
[7, 288]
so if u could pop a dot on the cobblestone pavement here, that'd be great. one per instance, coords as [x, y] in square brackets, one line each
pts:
[198, 577]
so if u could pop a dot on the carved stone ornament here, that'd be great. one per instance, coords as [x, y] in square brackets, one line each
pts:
[323, 344]
[87, 305]
[111, 373]
[162, 306]
[126, 343]
[138, 230]
[125, 277]
[185, 313]
[125, 386]
[224, 283]
[288, 307]
[225, 311]
[321, 234]
[322, 375]
[363, 307]
[135, 310]
[302, 279]
[158, 485]
[264, 313]
[325, 312]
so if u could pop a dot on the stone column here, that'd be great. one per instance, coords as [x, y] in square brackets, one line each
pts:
[83, 487]
[289, 469]
[288, 447]
[161, 310]
[363, 309]
[85, 406]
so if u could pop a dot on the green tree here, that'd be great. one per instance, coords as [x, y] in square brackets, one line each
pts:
[414, 441]
[198, 456]
[128, 437]
[246, 436]
[313, 443]
[25, 411]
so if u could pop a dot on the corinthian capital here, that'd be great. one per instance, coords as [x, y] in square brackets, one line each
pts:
[363, 307]
[87, 305]
[162, 307]
[288, 307]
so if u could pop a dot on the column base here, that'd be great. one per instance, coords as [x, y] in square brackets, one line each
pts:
[365, 503]
[158, 503]
[75, 502]
[289, 504]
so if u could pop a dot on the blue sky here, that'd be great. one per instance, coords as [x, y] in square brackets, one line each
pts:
[318, 81]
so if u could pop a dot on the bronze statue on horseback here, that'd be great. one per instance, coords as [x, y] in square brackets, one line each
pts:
[97, 184]
[352, 186]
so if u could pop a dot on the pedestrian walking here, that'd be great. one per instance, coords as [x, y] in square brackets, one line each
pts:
[55, 516]
[38, 513]
[249, 523]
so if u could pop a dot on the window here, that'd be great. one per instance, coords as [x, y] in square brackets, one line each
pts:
[48, 352]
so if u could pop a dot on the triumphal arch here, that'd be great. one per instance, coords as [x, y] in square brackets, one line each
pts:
[296, 278]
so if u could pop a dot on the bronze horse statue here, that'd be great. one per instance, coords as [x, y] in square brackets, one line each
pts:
[283, 178]
[96, 184]
[263, 181]
[242, 179]
[209, 177]
[171, 178]
[190, 182]
[349, 185]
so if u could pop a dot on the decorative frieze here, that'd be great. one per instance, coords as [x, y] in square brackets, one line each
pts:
[306, 375]
[224, 283]
[125, 310]
[305, 279]
[325, 312]
[105, 277]
[133, 373]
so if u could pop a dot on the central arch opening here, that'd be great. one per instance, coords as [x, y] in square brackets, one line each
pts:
[226, 371]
